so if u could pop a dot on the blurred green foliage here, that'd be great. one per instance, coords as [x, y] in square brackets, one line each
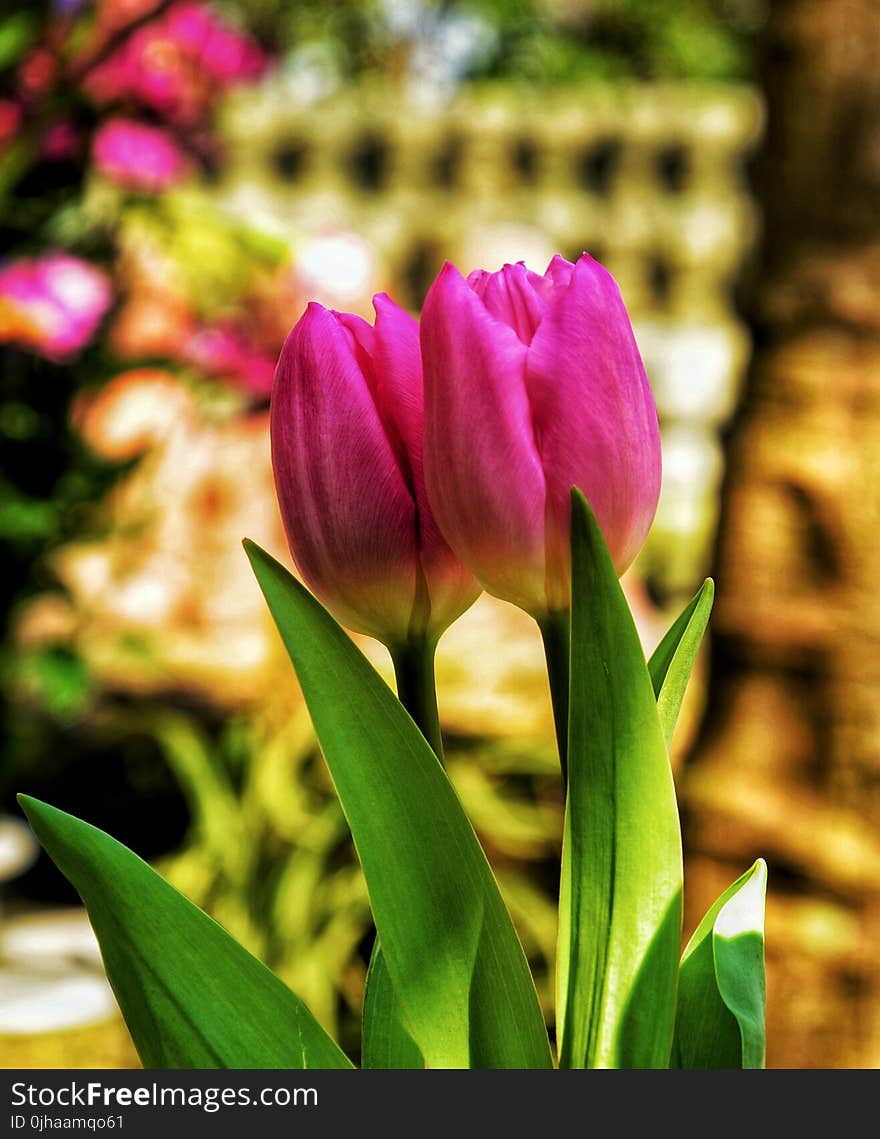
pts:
[532, 41]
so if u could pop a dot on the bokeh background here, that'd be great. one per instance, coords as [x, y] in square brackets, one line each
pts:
[177, 181]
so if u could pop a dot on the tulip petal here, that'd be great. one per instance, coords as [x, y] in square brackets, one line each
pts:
[362, 341]
[559, 271]
[482, 469]
[451, 589]
[347, 510]
[515, 295]
[595, 419]
[398, 378]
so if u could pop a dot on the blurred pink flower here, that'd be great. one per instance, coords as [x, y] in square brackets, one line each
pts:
[37, 72]
[113, 15]
[137, 156]
[226, 53]
[223, 351]
[61, 141]
[53, 303]
[10, 120]
[178, 64]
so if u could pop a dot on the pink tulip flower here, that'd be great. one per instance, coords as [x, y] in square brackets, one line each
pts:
[346, 433]
[534, 384]
[137, 156]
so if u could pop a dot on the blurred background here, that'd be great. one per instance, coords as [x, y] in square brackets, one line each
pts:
[177, 181]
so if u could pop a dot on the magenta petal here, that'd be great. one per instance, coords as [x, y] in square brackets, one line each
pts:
[595, 419]
[398, 370]
[515, 295]
[559, 271]
[482, 470]
[362, 338]
[347, 511]
[451, 588]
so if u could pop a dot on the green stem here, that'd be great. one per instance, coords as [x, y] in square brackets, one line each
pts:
[414, 672]
[556, 632]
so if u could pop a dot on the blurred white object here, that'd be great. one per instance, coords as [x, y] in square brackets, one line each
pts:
[335, 268]
[695, 369]
[52, 976]
[18, 847]
[491, 246]
[32, 1001]
[51, 937]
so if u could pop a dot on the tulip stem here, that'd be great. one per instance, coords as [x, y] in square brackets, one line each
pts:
[556, 633]
[416, 688]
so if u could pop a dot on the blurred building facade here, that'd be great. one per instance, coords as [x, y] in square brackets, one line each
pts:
[788, 761]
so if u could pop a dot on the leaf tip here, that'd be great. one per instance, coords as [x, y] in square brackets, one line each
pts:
[257, 556]
[29, 804]
[38, 811]
[38, 814]
[582, 514]
[579, 501]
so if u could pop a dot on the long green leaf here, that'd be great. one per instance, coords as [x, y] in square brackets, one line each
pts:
[672, 661]
[721, 1015]
[620, 896]
[455, 961]
[191, 996]
[386, 1042]
[721, 996]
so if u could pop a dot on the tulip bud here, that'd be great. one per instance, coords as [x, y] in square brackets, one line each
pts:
[534, 384]
[346, 423]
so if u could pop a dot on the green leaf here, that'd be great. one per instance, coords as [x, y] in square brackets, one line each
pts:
[17, 33]
[386, 1042]
[672, 661]
[720, 1021]
[452, 953]
[191, 996]
[620, 892]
